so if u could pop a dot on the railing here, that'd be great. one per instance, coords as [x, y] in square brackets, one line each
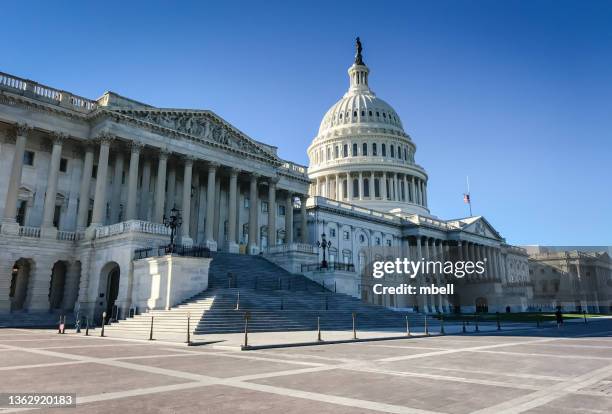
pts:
[186, 251]
[292, 247]
[29, 231]
[66, 235]
[47, 93]
[132, 226]
[312, 267]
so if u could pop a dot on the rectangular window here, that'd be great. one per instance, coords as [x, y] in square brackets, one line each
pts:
[281, 210]
[332, 232]
[392, 152]
[345, 150]
[264, 206]
[63, 165]
[376, 187]
[336, 152]
[354, 150]
[383, 149]
[56, 216]
[21, 212]
[374, 150]
[94, 171]
[328, 155]
[346, 235]
[28, 158]
[364, 150]
[388, 242]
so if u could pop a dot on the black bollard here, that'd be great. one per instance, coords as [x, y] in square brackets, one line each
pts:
[103, 323]
[477, 329]
[151, 330]
[246, 329]
[238, 301]
[426, 328]
[442, 325]
[59, 325]
[407, 326]
[538, 320]
[498, 323]
[354, 326]
[86, 326]
[335, 291]
[188, 328]
[585, 318]
[319, 329]
[463, 328]
[282, 303]
[64, 325]
[326, 303]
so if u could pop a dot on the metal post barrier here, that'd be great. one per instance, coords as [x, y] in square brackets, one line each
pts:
[319, 329]
[335, 291]
[426, 328]
[538, 320]
[64, 325]
[280, 284]
[326, 303]
[585, 318]
[151, 330]
[103, 323]
[477, 329]
[463, 328]
[188, 328]
[407, 326]
[282, 303]
[442, 325]
[498, 322]
[238, 301]
[247, 315]
[86, 326]
[59, 325]
[354, 326]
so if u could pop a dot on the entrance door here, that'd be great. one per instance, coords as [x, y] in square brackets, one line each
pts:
[112, 290]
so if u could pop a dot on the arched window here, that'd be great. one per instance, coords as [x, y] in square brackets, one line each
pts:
[399, 153]
[377, 113]
[374, 152]
[362, 113]
[344, 190]
[392, 151]
[376, 187]
[405, 154]
[370, 113]
[355, 187]
[354, 150]
[383, 149]
[341, 115]
[366, 187]
[355, 114]
[403, 192]
[336, 152]
[328, 154]
[384, 115]
[345, 150]
[364, 150]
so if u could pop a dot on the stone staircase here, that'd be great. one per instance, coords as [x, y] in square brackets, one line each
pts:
[275, 299]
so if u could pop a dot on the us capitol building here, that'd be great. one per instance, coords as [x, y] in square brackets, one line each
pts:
[85, 183]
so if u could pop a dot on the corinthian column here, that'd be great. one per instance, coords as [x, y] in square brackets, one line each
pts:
[97, 219]
[210, 206]
[232, 246]
[303, 199]
[116, 190]
[84, 189]
[289, 219]
[133, 181]
[160, 187]
[272, 211]
[187, 175]
[145, 189]
[48, 230]
[9, 222]
[253, 215]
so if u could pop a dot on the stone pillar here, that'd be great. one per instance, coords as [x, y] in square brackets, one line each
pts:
[372, 197]
[424, 193]
[232, 245]
[289, 219]
[39, 285]
[160, 187]
[397, 187]
[84, 189]
[272, 211]
[185, 229]
[116, 190]
[360, 185]
[132, 181]
[48, 230]
[405, 181]
[145, 190]
[210, 206]
[421, 298]
[99, 207]
[252, 246]
[170, 196]
[412, 195]
[326, 192]
[217, 217]
[384, 189]
[9, 222]
[304, 215]
[338, 189]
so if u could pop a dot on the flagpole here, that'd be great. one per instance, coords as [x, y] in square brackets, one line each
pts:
[467, 179]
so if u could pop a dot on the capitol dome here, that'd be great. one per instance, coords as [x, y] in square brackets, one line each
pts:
[361, 154]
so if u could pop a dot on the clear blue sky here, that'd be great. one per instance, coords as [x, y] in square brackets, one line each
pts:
[515, 94]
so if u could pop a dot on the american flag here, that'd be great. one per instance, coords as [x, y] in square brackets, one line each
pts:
[466, 198]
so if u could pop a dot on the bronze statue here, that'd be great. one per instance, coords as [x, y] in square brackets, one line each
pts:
[358, 57]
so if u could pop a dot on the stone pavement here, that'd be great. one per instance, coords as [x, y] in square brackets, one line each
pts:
[524, 370]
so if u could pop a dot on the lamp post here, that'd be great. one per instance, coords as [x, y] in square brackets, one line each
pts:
[324, 244]
[174, 221]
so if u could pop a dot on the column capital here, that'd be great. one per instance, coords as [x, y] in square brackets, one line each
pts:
[303, 197]
[104, 138]
[23, 129]
[272, 181]
[188, 159]
[58, 138]
[136, 147]
[234, 171]
[213, 165]
[163, 153]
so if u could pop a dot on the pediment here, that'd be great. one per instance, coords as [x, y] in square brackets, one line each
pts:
[203, 125]
[481, 227]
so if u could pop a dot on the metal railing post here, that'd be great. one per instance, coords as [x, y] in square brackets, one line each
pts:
[188, 328]
[426, 328]
[103, 323]
[354, 326]
[407, 326]
[238, 301]
[319, 329]
[151, 330]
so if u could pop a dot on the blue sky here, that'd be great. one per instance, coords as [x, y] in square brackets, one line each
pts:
[515, 94]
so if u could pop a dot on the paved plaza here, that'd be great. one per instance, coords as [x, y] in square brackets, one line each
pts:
[532, 370]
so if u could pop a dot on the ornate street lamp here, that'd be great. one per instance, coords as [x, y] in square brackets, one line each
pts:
[174, 221]
[324, 244]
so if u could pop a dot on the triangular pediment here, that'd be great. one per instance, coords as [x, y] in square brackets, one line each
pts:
[477, 225]
[205, 126]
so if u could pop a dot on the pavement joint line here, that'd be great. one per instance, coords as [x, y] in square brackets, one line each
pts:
[505, 374]
[609, 347]
[306, 356]
[275, 374]
[42, 365]
[345, 401]
[539, 354]
[548, 394]
[446, 378]
[407, 347]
